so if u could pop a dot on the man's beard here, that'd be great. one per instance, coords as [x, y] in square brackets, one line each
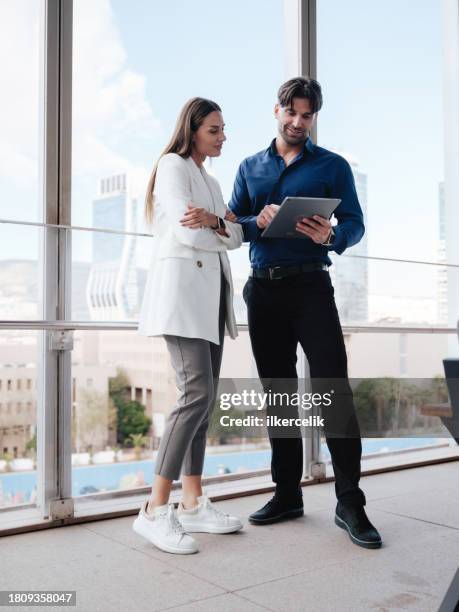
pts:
[293, 140]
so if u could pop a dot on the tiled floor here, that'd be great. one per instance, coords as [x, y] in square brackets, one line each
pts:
[306, 564]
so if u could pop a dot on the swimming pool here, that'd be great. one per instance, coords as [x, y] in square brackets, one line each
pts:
[20, 487]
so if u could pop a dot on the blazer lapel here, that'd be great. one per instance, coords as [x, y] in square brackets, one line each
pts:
[200, 188]
[217, 197]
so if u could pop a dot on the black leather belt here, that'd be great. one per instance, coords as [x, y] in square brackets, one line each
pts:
[281, 272]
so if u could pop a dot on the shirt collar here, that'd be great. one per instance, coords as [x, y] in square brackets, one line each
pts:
[308, 147]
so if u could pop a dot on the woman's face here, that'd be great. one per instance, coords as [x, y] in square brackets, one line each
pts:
[209, 137]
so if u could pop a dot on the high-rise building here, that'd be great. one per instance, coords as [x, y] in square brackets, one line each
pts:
[442, 271]
[350, 273]
[112, 288]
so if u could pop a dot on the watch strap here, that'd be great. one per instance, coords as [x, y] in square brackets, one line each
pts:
[330, 239]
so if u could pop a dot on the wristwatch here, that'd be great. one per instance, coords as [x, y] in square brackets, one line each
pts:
[330, 239]
[220, 224]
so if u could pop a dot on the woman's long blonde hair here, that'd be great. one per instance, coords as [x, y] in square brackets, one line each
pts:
[190, 119]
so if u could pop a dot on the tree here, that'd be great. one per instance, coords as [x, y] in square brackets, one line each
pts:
[112, 421]
[438, 390]
[127, 418]
[389, 405]
[374, 400]
[220, 433]
[131, 420]
[31, 446]
[119, 384]
[89, 427]
[138, 440]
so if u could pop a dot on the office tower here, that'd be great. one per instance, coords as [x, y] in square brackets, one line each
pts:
[112, 288]
[350, 274]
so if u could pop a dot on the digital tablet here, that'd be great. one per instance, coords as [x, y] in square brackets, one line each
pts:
[292, 210]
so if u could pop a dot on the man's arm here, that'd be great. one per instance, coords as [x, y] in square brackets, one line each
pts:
[240, 205]
[350, 228]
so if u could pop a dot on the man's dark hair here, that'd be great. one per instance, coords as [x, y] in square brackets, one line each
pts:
[300, 87]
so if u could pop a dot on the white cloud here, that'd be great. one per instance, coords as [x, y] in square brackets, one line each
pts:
[110, 107]
[19, 76]
[109, 97]
[98, 160]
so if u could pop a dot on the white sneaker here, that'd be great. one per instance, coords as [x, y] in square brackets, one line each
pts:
[207, 518]
[164, 530]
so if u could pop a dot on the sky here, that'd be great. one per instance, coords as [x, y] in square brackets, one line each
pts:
[384, 105]
[136, 62]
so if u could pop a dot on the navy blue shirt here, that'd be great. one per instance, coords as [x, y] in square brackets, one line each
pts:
[264, 178]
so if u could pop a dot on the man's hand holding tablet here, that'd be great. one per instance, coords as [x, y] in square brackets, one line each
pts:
[299, 217]
[317, 228]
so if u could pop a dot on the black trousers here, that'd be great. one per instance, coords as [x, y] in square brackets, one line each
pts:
[281, 314]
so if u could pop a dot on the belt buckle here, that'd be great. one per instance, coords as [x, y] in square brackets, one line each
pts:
[272, 273]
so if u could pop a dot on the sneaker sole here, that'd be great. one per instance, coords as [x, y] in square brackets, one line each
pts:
[289, 514]
[363, 543]
[190, 528]
[138, 528]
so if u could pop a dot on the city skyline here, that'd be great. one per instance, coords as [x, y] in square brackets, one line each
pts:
[114, 208]
[125, 106]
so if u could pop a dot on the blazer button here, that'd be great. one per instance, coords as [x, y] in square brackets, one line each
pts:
[199, 263]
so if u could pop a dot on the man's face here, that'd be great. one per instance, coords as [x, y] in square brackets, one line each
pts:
[295, 123]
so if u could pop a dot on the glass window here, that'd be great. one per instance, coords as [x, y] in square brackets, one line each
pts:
[124, 109]
[18, 424]
[19, 116]
[383, 111]
[20, 157]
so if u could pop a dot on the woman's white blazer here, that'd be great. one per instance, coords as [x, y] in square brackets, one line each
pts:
[182, 292]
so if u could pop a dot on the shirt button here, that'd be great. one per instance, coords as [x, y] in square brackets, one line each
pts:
[199, 263]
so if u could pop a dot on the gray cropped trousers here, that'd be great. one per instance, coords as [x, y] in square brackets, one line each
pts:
[197, 365]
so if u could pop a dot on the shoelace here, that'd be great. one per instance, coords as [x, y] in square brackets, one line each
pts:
[216, 511]
[174, 524]
[270, 503]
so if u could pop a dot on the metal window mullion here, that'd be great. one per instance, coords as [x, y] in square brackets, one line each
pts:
[313, 465]
[47, 361]
[64, 450]
[54, 400]
[308, 45]
[300, 38]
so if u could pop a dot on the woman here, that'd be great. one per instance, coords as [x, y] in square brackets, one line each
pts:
[188, 299]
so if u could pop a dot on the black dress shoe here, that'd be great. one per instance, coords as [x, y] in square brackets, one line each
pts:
[355, 521]
[277, 510]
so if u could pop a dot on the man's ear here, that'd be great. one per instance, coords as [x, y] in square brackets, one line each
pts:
[276, 109]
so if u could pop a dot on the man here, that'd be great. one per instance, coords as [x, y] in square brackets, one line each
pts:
[290, 298]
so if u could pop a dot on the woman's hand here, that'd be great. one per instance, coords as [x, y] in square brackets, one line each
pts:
[230, 216]
[197, 218]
